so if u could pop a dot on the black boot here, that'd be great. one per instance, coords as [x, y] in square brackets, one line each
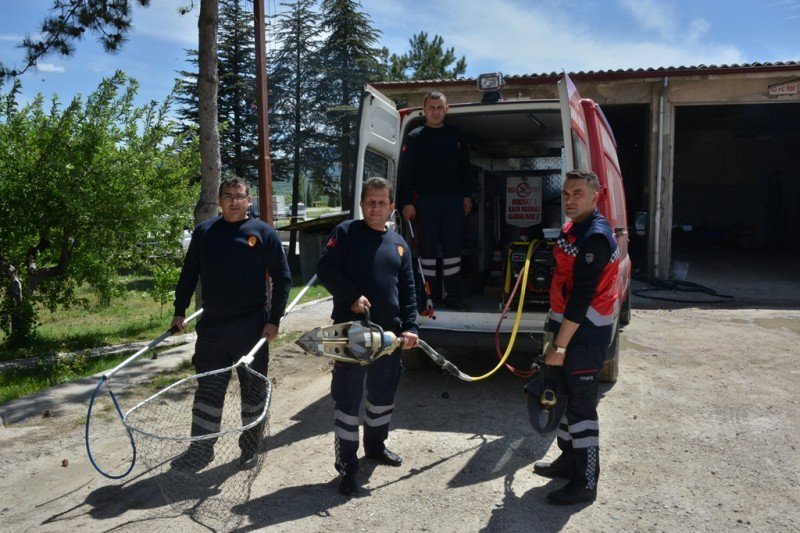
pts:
[196, 458]
[386, 457]
[572, 493]
[348, 485]
[561, 467]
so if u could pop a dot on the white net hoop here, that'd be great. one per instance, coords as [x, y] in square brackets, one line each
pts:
[202, 438]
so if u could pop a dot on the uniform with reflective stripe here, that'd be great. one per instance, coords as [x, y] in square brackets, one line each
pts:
[578, 434]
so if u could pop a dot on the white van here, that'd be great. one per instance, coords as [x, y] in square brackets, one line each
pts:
[511, 142]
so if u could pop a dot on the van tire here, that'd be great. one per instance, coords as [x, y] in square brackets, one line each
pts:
[415, 359]
[610, 369]
[625, 312]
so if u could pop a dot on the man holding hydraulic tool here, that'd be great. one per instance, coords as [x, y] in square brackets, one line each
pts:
[365, 266]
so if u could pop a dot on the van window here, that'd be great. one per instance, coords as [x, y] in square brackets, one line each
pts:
[580, 149]
[377, 165]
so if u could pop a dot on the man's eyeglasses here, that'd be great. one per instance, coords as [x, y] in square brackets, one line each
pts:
[234, 197]
[377, 205]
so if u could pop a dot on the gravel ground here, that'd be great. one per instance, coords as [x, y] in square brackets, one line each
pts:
[700, 432]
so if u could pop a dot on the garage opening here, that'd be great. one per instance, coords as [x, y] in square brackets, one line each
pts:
[630, 124]
[736, 188]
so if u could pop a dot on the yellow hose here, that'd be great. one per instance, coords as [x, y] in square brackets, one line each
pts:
[516, 322]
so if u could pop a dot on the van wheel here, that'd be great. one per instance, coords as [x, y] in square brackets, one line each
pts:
[610, 368]
[625, 312]
[415, 359]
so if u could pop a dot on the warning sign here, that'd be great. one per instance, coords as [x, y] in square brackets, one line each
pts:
[524, 201]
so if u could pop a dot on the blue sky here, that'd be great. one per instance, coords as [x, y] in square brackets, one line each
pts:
[513, 36]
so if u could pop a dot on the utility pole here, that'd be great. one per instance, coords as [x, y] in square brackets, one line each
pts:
[264, 161]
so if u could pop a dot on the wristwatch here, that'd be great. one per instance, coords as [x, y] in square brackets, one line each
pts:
[559, 350]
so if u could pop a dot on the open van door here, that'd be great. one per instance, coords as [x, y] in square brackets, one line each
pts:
[378, 142]
[573, 121]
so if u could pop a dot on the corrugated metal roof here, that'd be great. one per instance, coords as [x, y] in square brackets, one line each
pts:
[696, 70]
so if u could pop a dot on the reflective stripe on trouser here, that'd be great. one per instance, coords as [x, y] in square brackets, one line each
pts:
[428, 269]
[582, 431]
[347, 390]
[221, 343]
[563, 437]
[441, 221]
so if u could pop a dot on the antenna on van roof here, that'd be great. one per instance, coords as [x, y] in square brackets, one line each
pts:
[490, 85]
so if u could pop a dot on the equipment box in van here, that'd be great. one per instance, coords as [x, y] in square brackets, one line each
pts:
[519, 153]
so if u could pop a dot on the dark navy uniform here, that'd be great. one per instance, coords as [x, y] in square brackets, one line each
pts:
[358, 260]
[232, 260]
[583, 290]
[435, 177]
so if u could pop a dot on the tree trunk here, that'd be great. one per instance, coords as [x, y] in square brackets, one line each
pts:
[293, 260]
[207, 117]
[23, 323]
[18, 307]
[207, 82]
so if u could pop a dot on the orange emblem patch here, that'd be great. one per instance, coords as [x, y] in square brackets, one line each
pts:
[400, 250]
[251, 241]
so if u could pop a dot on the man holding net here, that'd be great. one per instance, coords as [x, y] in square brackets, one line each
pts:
[365, 266]
[232, 255]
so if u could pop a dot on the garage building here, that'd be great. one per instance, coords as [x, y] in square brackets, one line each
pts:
[711, 154]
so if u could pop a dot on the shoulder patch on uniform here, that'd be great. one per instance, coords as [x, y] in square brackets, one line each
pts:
[589, 258]
[251, 241]
[400, 250]
[331, 243]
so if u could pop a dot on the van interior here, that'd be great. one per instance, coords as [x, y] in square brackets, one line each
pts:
[509, 147]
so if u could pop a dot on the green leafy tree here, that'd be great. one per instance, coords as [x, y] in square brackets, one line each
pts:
[350, 59]
[165, 278]
[426, 60]
[111, 20]
[236, 99]
[83, 186]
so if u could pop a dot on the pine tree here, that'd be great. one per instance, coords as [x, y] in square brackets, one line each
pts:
[426, 60]
[237, 83]
[350, 59]
[295, 105]
[236, 91]
[110, 21]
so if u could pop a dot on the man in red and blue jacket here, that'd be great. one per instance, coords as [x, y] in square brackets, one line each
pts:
[584, 305]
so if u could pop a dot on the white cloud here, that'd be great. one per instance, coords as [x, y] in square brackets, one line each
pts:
[653, 15]
[162, 21]
[49, 67]
[697, 29]
[10, 37]
[532, 40]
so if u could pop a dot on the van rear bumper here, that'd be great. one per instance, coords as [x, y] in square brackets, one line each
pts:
[473, 330]
[530, 343]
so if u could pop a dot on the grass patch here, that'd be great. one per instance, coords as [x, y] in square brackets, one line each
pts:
[132, 317]
[20, 382]
[166, 378]
[315, 292]
[50, 371]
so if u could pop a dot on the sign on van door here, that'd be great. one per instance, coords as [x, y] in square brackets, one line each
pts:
[524, 201]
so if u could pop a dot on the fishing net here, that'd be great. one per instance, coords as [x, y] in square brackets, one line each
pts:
[202, 438]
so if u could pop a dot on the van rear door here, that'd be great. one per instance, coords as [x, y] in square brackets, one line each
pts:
[378, 142]
[573, 122]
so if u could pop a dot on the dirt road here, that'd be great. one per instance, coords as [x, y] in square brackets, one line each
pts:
[701, 432]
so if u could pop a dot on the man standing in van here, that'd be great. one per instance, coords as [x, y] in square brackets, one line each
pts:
[435, 188]
[583, 308]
